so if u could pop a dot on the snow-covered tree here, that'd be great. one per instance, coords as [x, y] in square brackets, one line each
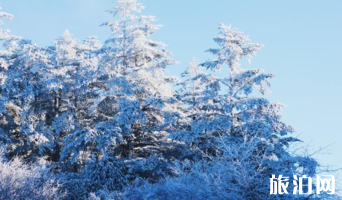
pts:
[4, 55]
[197, 91]
[21, 94]
[134, 95]
[238, 131]
[226, 106]
[68, 81]
[192, 88]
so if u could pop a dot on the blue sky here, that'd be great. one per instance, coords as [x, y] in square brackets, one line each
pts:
[302, 47]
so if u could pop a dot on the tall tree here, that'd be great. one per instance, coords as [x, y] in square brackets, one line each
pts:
[24, 119]
[71, 74]
[240, 132]
[135, 108]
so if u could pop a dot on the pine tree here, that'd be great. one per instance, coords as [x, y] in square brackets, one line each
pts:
[135, 82]
[23, 119]
[240, 134]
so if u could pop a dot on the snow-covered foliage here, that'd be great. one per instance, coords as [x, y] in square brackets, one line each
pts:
[22, 181]
[108, 123]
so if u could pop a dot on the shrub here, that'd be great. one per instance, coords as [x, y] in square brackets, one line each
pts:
[25, 181]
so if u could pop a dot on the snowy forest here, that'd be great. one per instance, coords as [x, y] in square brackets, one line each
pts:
[92, 120]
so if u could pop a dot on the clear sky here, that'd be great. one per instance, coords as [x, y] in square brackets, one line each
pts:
[303, 47]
